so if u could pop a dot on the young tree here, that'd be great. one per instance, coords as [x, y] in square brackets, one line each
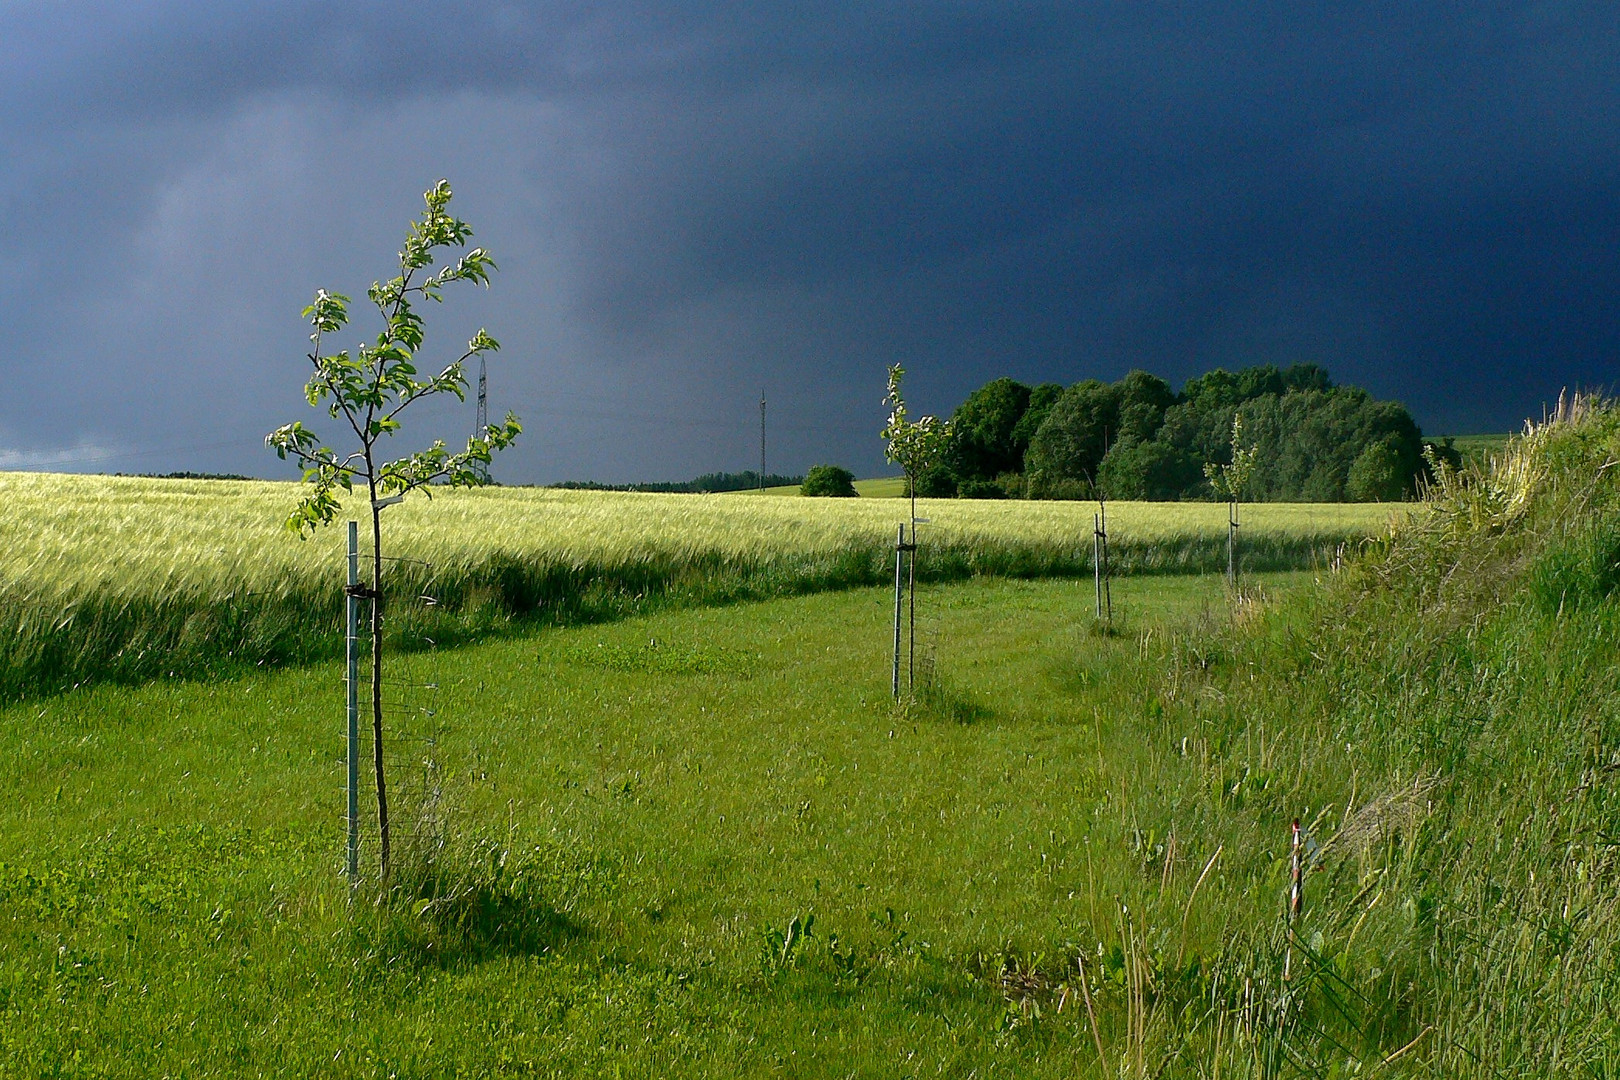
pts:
[369, 389]
[914, 446]
[1229, 481]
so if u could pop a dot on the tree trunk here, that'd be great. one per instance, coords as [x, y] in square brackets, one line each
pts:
[376, 685]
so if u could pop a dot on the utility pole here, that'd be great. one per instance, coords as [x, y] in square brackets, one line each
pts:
[762, 440]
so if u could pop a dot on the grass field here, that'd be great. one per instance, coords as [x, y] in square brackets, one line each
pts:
[705, 842]
[136, 537]
[670, 794]
[129, 578]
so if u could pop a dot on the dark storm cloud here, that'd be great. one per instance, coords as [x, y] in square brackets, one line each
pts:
[691, 202]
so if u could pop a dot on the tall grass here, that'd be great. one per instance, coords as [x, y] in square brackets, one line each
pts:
[1444, 720]
[126, 579]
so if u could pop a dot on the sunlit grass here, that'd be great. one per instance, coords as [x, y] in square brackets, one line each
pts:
[132, 537]
[676, 788]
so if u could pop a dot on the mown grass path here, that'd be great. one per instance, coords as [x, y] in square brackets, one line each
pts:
[674, 791]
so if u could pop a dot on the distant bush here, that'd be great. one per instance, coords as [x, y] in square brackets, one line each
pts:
[708, 483]
[1149, 470]
[833, 481]
[1377, 475]
[936, 482]
[980, 489]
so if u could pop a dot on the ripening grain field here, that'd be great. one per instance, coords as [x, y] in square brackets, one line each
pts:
[125, 578]
[73, 535]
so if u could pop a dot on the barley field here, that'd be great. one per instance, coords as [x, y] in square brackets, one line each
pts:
[123, 579]
[71, 535]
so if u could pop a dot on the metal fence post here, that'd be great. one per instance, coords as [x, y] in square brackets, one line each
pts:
[351, 617]
[1296, 893]
[911, 603]
[1296, 896]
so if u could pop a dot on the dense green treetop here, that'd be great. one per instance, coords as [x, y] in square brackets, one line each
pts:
[1139, 439]
[983, 430]
[832, 481]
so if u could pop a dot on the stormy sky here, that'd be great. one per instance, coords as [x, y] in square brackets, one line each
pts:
[694, 203]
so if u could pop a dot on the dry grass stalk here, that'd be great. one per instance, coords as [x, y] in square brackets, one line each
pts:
[1394, 812]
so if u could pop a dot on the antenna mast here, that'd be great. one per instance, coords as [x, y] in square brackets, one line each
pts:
[762, 440]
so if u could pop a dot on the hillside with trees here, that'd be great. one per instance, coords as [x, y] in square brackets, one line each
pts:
[1139, 439]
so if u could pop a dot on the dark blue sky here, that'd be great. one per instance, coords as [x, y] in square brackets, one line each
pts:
[691, 203]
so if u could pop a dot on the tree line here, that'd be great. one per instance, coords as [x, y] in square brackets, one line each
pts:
[708, 483]
[1139, 439]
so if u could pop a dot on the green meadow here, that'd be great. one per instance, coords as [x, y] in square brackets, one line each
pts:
[708, 841]
[699, 839]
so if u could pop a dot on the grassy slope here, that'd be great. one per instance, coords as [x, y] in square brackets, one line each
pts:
[114, 578]
[1445, 718]
[168, 901]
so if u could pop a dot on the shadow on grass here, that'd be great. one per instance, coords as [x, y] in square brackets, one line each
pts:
[937, 698]
[451, 906]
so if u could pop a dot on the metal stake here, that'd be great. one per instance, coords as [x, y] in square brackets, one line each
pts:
[911, 600]
[1096, 558]
[1108, 588]
[1296, 895]
[351, 604]
[1296, 898]
[899, 583]
[1231, 543]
